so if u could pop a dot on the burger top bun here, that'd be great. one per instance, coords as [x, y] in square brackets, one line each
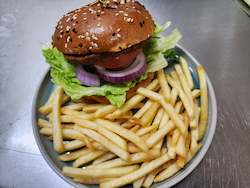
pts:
[104, 26]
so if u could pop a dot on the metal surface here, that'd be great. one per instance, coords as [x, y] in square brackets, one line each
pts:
[216, 32]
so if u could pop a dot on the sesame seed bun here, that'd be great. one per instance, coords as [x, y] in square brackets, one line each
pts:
[102, 28]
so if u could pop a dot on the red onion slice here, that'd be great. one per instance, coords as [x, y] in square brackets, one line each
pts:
[135, 70]
[86, 78]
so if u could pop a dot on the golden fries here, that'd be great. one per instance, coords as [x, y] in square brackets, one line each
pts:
[56, 121]
[137, 173]
[204, 101]
[149, 139]
[164, 85]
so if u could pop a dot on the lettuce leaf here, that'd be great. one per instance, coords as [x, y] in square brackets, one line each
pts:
[63, 73]
[158, 46]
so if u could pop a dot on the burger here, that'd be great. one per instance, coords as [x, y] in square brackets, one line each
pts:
[104, 51]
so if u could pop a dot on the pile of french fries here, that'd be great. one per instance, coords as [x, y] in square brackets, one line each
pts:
[149, 139]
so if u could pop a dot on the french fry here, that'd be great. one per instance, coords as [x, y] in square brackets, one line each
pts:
[133, 101]
[132, 148]
[90, 108]
[150, 94]
[67, 119]
[78, 114]
[75, 106]
[85, 123]
[168, 172]
[135, 128]
[158, 118]
[101, 112]
[134, 159]
[149, 115]
[186, 72]
[180, 147]
[139, 105]
[87, 158]
[74, 144]
[56, 121]
[151, 176]
[47, 108]
[160, 134]
[174, 116]
[66, 133]
[129, 135]
[204, 101]
[146, 130]
[178, 107]
[129, 178]
[174, 95]
[138, 183]
[105, 142]
[119, 141]
[194, 138]
[164, 85]
[103, 158]
[44, 123]
[98, 173]
[175, 137]
[145, 108]
[196, 93]
[184, 98]
[195, 121]
[180, 161]
[171, 148]
[70, 156]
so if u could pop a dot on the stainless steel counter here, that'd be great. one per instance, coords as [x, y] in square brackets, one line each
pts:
[216, 32]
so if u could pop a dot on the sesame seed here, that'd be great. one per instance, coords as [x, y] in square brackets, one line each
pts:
[68, 38]
[87, 34]
[98, 24]
[138, 11]
[74, 24]
[81, 36]
[84, 18]
[90, 48]
[67, 19]
[148, 35]
[60, 36]
[122, 2]
[114, 6]
[118, 35]
[102, 12]
[99, 11]
[125, 14]
[94, 37]
[84, 13]
[67, 28]
[61, 27]
[98, 4]
[121, 11]
[128, 19]
[74, 16]
[119, 29]
[132, 20]
[133, 7]
[95, 45]
[117, 14]
[88, 38]
[65, 45]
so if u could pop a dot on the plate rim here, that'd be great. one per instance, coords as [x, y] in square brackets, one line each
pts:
[172, 181]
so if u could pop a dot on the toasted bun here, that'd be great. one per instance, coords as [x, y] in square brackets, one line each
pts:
[103, 28]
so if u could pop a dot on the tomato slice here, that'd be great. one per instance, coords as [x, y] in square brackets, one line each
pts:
[119, 62]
